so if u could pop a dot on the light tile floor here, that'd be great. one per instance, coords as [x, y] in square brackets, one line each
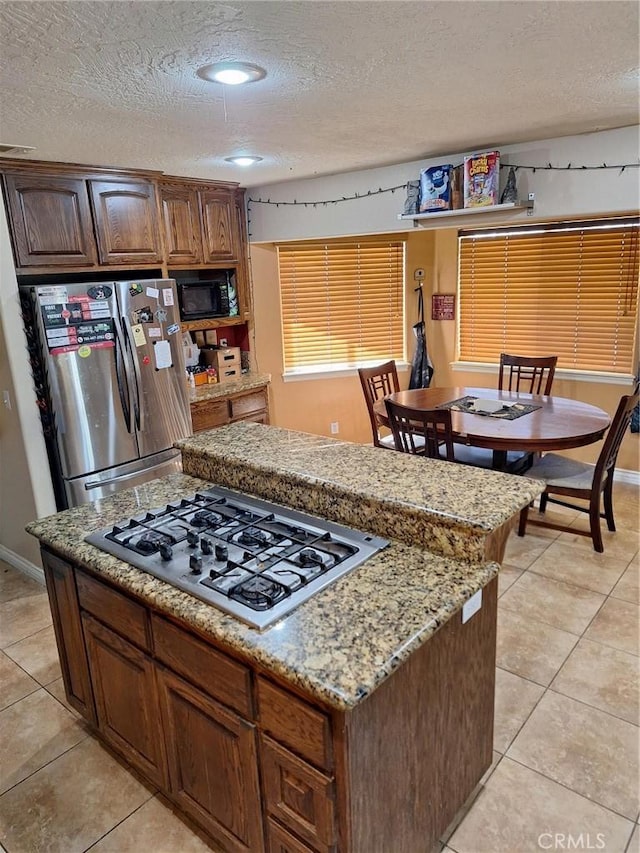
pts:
[565, 774]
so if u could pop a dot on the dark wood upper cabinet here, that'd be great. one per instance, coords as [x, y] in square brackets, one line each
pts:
[219, 226]
[51, 221]
[125, 214]
[181, 216]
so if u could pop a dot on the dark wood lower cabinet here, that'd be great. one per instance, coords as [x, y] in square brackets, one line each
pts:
[279, 840]
[65, 612]
[255, 763]
[213, 764]
[299, 796]
[124, 684]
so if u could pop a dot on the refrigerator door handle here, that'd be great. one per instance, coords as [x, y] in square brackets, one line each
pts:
[121, 478]
[138, 408]
[124, 381]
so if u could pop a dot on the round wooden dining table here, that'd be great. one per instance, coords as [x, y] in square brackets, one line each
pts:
[558, 424]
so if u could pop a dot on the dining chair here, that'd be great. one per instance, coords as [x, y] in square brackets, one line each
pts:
[378, 382]
[428, 432]
[578, 480]
[526, 373]
[424, 432]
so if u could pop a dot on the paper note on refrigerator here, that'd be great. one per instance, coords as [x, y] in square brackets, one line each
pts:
[162, 354]
[167, 296]
[138, 335]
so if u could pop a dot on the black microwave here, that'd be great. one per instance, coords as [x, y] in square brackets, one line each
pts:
[202, 300]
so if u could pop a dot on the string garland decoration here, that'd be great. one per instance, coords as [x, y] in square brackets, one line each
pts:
[516, 166]
[327, 201]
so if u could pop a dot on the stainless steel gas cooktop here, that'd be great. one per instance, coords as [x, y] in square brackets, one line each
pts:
[250, 558]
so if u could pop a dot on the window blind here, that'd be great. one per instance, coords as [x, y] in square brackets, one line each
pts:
[566, 289]
[342, 303]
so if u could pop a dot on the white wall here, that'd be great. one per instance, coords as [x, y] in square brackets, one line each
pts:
[557, 194]
[25, 484]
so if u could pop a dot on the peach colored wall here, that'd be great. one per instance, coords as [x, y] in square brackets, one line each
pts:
[311, 405]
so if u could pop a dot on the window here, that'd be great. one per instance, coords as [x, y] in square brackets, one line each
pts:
[568, 289]
[342, 303]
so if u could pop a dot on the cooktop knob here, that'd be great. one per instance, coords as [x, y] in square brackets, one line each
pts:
[166, 551]
[192, 538]
[195, 564]
[222, 553]
[206, 545]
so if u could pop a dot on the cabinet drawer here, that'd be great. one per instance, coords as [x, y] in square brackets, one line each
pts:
[281, 841]
[217, 674]
[248, 404]
[207, 415]
[299, 796]
[294, 723]
[123, 615]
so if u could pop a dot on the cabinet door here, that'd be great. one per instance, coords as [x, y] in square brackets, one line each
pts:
[181, 217]
[242, 276]
[65, 610]
[126, 218]
[299, 796]
[124, 685]
[213, 765]
[51, 221]
[219, 226]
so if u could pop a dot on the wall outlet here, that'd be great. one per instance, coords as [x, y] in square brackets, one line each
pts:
[6, 399]
[418, 274]
[335, 428]
[223, 342]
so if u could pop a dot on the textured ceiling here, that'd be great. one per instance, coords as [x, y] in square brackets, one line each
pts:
[349, 85]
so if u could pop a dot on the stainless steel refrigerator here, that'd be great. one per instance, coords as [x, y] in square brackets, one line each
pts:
[110, 380]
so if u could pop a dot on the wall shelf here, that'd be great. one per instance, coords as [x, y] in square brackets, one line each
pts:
[522, 204]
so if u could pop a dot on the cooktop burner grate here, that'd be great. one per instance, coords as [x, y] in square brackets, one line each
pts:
[250, 558]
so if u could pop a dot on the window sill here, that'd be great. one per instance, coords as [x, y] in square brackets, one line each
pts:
[561, 373]
[328, 372]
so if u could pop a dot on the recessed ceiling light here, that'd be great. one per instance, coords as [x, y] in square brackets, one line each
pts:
[243, 160]
[231, 73]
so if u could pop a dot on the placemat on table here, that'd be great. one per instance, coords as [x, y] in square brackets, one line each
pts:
[507, 412]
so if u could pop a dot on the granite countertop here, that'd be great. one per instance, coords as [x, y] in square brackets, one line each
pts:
[245, 382]
[449, 509]
[339, 645]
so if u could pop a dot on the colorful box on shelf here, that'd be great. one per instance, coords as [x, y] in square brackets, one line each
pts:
[482, 179]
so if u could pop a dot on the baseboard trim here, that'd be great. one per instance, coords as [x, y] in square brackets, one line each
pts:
[625, 476]
[22, 565]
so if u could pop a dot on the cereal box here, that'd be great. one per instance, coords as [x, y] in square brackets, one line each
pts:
[481, 179]
[435, 188]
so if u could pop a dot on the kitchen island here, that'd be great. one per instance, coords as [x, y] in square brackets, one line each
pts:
[360, 722]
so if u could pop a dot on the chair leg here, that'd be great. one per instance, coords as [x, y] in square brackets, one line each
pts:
[608, 502]
[543, 502]
[522, 524]
[594, 523]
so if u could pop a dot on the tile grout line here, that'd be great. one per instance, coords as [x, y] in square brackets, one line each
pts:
[47, 763]
[116, 825]
[573, 791]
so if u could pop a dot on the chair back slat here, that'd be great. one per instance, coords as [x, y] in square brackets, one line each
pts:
[378, 382]
[529, 374]
[424, 432]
